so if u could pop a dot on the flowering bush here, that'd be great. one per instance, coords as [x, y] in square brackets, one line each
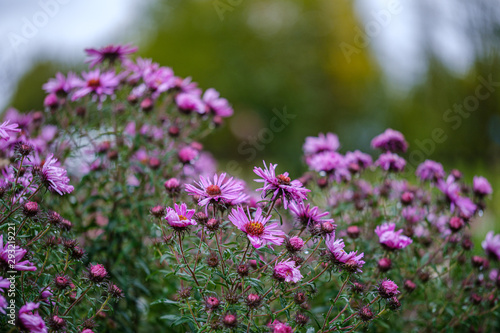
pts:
[349, 245]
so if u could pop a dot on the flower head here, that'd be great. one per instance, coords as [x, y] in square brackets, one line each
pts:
[259, 233]
[98, 83]
[390, 141]
[111, 53]
[430, 170]
[481, 186]
[307, 215]
[332, 163]
[30, 320]
[281, 185]
[358, 158]
[6, 127]
[60, 85]
[219, 106]
[391, 239]
[6, 260]
[491, 245]
[187, 102]
[287, 271]
[279, 327]
[97, 273]
[180, 216]
[54, 177]
[351, 261]
[387, 288]
[391, 162]
[321, 143]
[220, 191]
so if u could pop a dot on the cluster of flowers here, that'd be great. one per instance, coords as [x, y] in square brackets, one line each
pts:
[266, 282]
[39, 259]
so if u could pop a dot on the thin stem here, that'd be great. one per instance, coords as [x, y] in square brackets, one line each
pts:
[101, 308]
[335, 301]
[185, 261]
[21, 226]
[77, 301]
[40, 235]
[192, 314]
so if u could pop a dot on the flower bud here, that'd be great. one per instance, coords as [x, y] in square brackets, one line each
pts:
[388, 289]
[301, 319]
[62, 282]
[384, 264]
[97, 273]
[253, 300]
[394, 303]
[300, 298]
[212, 303]
[56, 323]
[213, 260]
[30, 209]
[242, 270]
[213, 225]
[407, 198]
[353, 231]
[294, 244]
[365, 313]
[158, 211]
[410, 285]
[230, 320]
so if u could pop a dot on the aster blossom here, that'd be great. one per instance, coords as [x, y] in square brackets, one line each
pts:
[321, 143]
[281, 185]
[390, 141]
[189, 102]
[306, 214]
[387, 288]
[287, 270]
[220, 190]
[6, 127]
[54, 177]
[279, 327]
[218, 105]
[391, 162]
[390, 238]
[100, 84]
[332, 163]
[491, 245]
[111, 53]
[430, 170]
[358, 158]
[451, 190]
[19, 253]
[481, 186]
[258, 231]
[61, 85]
[30, 320]
[180, 216]
[351, 261]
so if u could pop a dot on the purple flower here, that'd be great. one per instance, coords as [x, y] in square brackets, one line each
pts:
[60, 85]
[307, 215]
[19, 264]
[481, 186]
[30, 320]
[189, 102]
[159, 80]
[287, 271]
[280, 185]
[111, 53]
[218, 191]
[53, 177]
[321, 143]
[388, 288]
[258, 231]
[100, 84]
[491, 245]
[413, 214]
[390, 141]
[4, 284]
[180, 216]
[351, 261]
[330, 162]
[219, 106]
[391, 162]
[452, 192]
[391, 239]
[6, 127]
[187, 154]
[358, 158]
[279, 327]
[430, 170]
[139, 68]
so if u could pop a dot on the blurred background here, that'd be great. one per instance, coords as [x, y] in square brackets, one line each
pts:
[293, 68]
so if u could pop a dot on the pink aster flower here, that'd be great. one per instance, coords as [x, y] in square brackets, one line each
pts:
[4, 284]
[159, 79]
[219, 106]
[287, 271]
[451, 190]
[321, 143]
[481, 186]
[307, 215]
[139, 68]
[388, 288]
[180, 216]
[358, 158]
[330, 162]
[100, 84]
[281, 185]
[61, 85]
[390, 238]
[430, 170]
[351, 261]
[413, 214]
[219, 191]
[279, 327]
[189, 102]
[6, 127]
[54, 177]
[187, 154]
[391, 162]
[258, 231]
[110, 53]
[491, 245]
[30, 320]
[20, 265]
[390, 141]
